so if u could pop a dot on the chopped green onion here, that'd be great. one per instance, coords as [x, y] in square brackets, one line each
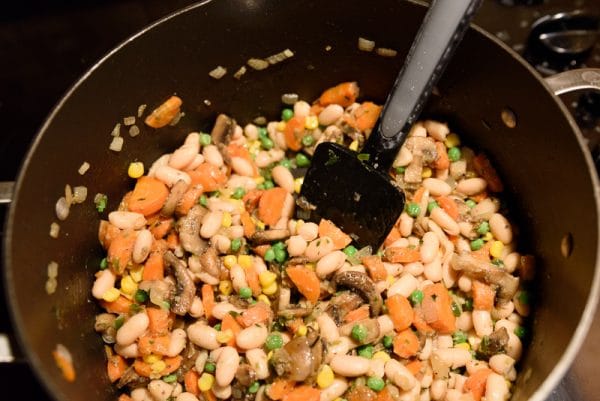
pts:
[203, 201]
[100, 200]
[470, 203]
[119, 322]
[520, 332]
[523, 297]
[459, 337]
[456, 311]
[217, 326]
[308, 140]
[400, 170]
[363, 157]
[350, 250]
[468, 305]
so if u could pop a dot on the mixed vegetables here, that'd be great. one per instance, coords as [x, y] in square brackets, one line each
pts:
[213, 289]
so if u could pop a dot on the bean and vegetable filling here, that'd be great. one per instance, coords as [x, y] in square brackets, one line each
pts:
[213, 288]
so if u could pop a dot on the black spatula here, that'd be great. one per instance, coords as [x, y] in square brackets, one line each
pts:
[353, 189]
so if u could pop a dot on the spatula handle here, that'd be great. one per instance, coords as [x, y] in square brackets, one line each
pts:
[443, 28]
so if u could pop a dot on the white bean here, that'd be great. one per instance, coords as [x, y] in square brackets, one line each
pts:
[453, 357]
[330, 263]
[466, 229]
[141, 394]
[482, 321]
[427, 380]
[251, 131]
[197, 308]
[328, 328]
[212, 155]
[433, 270]
[438, 389]
[496, 388]
[377, 368]
[406, 224]
[414, 268]
[437, 187]
[160, 390]
[217, 205]
[501, 364]
[447, 223]
[239, 181]
[386, 325]
[223, 308]
[474, 365]
[500, 228]
[203, 335]
[211, 223]
[198, 160]
[429, 247]
[201, 360]
[465, 283]
[511, 261]
[259, 265]
[484, 209]
[398, 374]
[301, 109]
[257, 358]
[127, 220]
[185, 154]
[318, 248]
[104, 282]
[330, 114]
[335, 390]
[339, 348]
[221, 243]
[436, 130]
[161, 161]
[177, 341]
[263, 159]
[350, 366]
[471, 186]
[242, 166]
[425, 352]
[464, 322]
[404, 157]
[235, 231]
[514, 348]
[296, 245]
[127, 351]
[141, 248]
[444, 341]
[185, 396]
[283, 177]
[132, 329]
[252, 337]
[221, 393]
[404, 286]
[238, 277]
[308, 231]
[503, 310]
[170, 175]
[227, 365]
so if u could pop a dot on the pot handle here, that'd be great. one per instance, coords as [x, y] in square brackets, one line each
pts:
[6, 191]
[570, 81]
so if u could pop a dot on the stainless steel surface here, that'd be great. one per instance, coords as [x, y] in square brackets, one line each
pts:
[573, 80]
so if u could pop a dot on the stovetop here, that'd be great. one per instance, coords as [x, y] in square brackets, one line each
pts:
[46, 46]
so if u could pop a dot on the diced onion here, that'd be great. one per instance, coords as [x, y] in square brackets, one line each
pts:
[79, 194]
[62, 208]
[134, 131]
[116, 130]
[365, 45]
[51, 286]
[289, 98]
[52, 270]
[258, 64]
[384, 52]
[141, 109]
[279, 57]
[218, 72]
[238, 74]
[116, 144]
[129, 120]
[177, 118]
[85, 166]
[261, 120]
[54, 230]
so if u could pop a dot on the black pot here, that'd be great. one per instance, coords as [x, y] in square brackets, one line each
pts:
[550, 177]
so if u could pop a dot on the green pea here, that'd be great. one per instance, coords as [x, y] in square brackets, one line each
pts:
[260, 186]
[454, 154]
[262, 132]
[416, 297]
[274, 341]
[205, 139]
[256, 385]
[388, 341]
[280, 255]
[350, 250]
[366, 351]
[470, 203]
[375, 383]
[520, 332]
[302, 160]
[483, 228]
[359, 332]
[270, 255]
[245, 293]
[210, 367]
[269, 184]
[400, 170]
[140, 296]
[236, 244]
[119, 322]
[308, 140]
[203, 200]
[170, 378]
[456, 309]
[278, 245]
[217, 326]
[468, 305]
[238, 193]
[432, 205]
[266, 143]
[477, 244]
[103, 263]
[459, 337]
[287, 114]
[413, 209]
[286, 163]
[523, 297]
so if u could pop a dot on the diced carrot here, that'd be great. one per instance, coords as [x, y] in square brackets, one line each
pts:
[359, 313]
[124, 397]
[209, 395]
[257, 313]
[476, 382]
[315, 109]
[366, 115]
[343, 94]
[385, 395]
[251, 199]
[306, 281]
[189, 199]
[120, 251]
[418, 195]
[448, 205]
[154, 267]
[270, 205]
[480, 196]
[483, 167]
[65, 365]
[420, 323]
[293, 133]
[160, 321]
[229, 323]
[121, 305]
[115, 367]
[400, 311]
[248, 224]
[400, 254]
[106, 233]
[279, 388]
[392, 237]
[207, 175]
[165, 113]
[406, 344]
[442, 161]
[172, 240]
[158, 345]
[483, 253]
[483, 296]
[159, 225]
[375, 267]
[149, 196]
[190, 381]
[261, 250]
[172, 364]
[125, 201]
[145, 369]
[303, 393]
[208, 300]
[437, 308]
[339, 238]
[414, 367]
[252, 279]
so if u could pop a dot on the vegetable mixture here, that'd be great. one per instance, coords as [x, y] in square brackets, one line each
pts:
[213, 289]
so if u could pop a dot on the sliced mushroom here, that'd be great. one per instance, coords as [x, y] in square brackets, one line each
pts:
[185, 289]
[209, 260]
[422, 146]
[105, 325]
[342, 303]
[300, 358]
[131, 379]
[294, 311]
[174, 197]
[245, 375]
[361, 284]
[414, 171]
[267, 236]
[223, 130]
[189, 231]
[372, 326]
[493, 344]
[488, 272]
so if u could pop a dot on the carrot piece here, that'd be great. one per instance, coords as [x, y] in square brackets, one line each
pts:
[229, 323]
[315, 109]
[149, 196]
[328, 229]
[418, 195]
[406, 344]
[257, 313]
[398, 254]
[248, 224]
[251, 199]
[145, 369]
[124, 397]
[189, 199]
[306, 281]
[160, 321]
[279, 388]
[420, 323]
[154, 267]
[65, 364]
[343, 94]
[293, 132]
[270, 205]
[172, 240]
[120, 251]
[448, 205]
[442, 160]
[359, 313]
[414, 366]
[366, 115]
[106, 233]
[159, 226]
[392, 237]
[437, 308]
[121, 305]
[476, 382]
[209, 395]
[483, 296]
[208, 300]
[148, 344]
[261, 250]
[303, 393]
[400, 311]
[164, 113]
[172, 364]
[252, 280]
[480, 196]
[385, 395]
[483, 253]
[115, 367]
[190, 381]
[207, 175]
[375, 267]
[483, 167]
[235, 150]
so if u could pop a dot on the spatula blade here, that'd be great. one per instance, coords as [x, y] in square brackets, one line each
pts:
[360, 200]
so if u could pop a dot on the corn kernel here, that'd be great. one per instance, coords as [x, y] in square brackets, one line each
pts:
[452, 140]
[391, 279]
[354, 146]
[137, 274]
[280, 126]
[384, 356]
[245, 261]
[128, 285]
[310, 266]
[229, 261]
[224, 336]
[496, 249]
[263, 298]
[254, 146]
[226, 220]
[426, 172]
[151, 359]
[325, 377]
[488, 236]
[299, 224]
[259, 224]
[225, 287]
[206, 381]
[466, 346]
[302, 330]
[267, 278]
[158, 367]
[135, 170]
[259, 180]
[270, 355]
[311, 122]
[298, 184]
[238, 203]
[270, 289]
[111, 295]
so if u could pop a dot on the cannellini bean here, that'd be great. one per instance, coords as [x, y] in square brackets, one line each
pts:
[447, 223]
[217, 205]
[301, 109]
[257, 358]
[511, 261]
[404, 157]
[211, 223]
[503, 310]
[104, 282]
[132, 329]
[429, 247]
[160, 390]
[221, 243]
[482, 322]
[438, 389]
[141, 394]
[127, 220]
[464, 322]
[242, 166]
[377, 368]
[474, 365]
[404, 286]
[433, 270]
[283, 177]
[335, 390]
[308, 231]
[215, 353]
[201, 360]
[252, 337]
[330, 114]
[296, 245]
[514, 348]
[436, 130]
[471, 186]
[203, 335]
[196, 162]
[212, 155]
[414, 268]
[235, 232]
[465, 283]
[349, 366]
[453, 357]
[400, 242]
[398, 374]
[177, 341]
[238, 181]
[238, 277]
[185, 396]
[170, 175]
[339, 348]
[127, 351]
[251, 131]
[185, 154]
[500, 228]
[425, 352]
[393, 269]
[330, 263]
[318, 248]
[459, 381]
[221, 393]
[426, 380]
[449, 275]
[501, 364]
[227, 365]
[484, 210]
[466, 229]
[406, 224]
[141, 248]
[496, 388]
[386, 325]
[197, 308]
[223, 308]
[444, 341]
[437, 187]
[328, 328]
[161, 161]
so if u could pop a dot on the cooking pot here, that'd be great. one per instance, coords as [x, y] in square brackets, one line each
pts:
[488, 94]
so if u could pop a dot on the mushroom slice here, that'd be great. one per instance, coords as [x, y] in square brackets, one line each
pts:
[185, 289]
[223, 129]
[209, 260]
[361, 284]
[342, 303]
[174, 197]
[488, 272]
[493, 344]
[267, 236]
[189, 231]
[300, 358]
